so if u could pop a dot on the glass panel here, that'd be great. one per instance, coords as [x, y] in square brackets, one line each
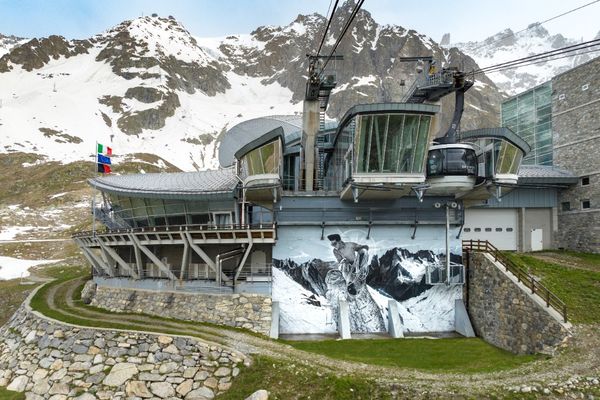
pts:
[139, 207]
[394, 139]
[174, 207]
[362, 151]
[263, 160]
[155, 206]
[422, 144]
[409, 136]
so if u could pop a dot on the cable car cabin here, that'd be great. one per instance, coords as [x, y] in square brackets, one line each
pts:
[451, 168]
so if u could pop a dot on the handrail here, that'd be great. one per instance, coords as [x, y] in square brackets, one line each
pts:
[180, 228]
[522, 276]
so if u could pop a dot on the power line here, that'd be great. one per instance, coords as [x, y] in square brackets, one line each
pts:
[547, 54]
[329, 23]
[536, 25]
[538, 61]
[344, 30]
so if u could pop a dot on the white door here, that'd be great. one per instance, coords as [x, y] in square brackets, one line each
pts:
[496, 225]
[537, 239]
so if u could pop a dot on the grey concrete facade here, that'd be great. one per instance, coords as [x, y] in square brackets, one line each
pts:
[576, 137]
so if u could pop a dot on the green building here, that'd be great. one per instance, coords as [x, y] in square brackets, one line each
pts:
[529, 115]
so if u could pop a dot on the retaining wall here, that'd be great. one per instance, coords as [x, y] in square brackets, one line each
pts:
[245, 310]
[47, 359]
[504, 313]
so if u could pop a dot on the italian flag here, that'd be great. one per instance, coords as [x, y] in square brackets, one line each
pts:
[104, 149]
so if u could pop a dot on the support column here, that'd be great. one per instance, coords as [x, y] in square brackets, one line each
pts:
[152, 257]
[97, 263]
[187, 237]
[310, 126]
[243, 260]
[185, 258]
[115, 256]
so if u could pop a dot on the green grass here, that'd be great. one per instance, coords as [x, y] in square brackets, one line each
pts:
[13, 294]
[578, 288]
[435, 355]
[298, 381]
[10, 395]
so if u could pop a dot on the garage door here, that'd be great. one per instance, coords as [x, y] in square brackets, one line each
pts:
[498, 226]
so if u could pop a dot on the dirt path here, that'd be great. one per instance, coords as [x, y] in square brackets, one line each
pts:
[582, 358]
[565, 260]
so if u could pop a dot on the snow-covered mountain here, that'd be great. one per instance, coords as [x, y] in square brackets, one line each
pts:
[508, 45]
[149, 86]
[8, 42]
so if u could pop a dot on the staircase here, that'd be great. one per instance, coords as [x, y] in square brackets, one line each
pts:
[551, 300]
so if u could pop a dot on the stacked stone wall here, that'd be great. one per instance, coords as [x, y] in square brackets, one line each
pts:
[503, 314]
[576, 141]
[49, 360]
[247, 310]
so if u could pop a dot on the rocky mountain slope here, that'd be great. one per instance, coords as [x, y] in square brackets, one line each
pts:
[508, 45]
[149, 86]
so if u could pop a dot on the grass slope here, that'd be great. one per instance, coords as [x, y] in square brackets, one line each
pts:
[579, 288]
[435, 355]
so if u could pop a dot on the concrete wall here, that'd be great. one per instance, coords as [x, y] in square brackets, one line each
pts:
[576, 137]
[249, 311]
[505, 314]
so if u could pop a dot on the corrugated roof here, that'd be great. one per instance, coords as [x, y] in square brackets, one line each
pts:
[181, 185]
[248, 131]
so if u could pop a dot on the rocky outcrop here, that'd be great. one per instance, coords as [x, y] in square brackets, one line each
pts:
[37, 52]
[47, 359]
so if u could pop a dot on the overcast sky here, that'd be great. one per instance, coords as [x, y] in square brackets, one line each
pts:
[464, 19]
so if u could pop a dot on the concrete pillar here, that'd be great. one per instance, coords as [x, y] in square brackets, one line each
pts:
[394, 323]
[462, 322]
[310, 127]
[274, 332]
[344, 320]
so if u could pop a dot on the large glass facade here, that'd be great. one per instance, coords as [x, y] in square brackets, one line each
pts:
[529, 115]
[262, 160]
[138, 212]
[391, 143]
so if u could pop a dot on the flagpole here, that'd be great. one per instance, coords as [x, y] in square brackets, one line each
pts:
[94, 196]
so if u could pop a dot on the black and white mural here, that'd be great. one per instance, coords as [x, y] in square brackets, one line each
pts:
[311, 275]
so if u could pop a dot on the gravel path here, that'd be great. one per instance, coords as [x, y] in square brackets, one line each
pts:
[572, 371]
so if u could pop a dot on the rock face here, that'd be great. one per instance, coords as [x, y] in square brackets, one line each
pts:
[149, 83]
[249, 311]
[508, 45]
[45, 366]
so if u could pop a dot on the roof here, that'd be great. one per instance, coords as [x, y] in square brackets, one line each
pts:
[502, 133]
[249, 131]
[201, 185]
[544, 174]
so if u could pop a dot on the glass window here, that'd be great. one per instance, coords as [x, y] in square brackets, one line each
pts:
[585, 181]
[565, 206]
[488, 229]
[392, 143]
[585, 204]
[477, 229]
[263, 160]
[509, 229]
[498, 229]
[467, 229]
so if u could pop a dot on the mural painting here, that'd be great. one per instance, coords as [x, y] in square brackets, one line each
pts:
[311, 275]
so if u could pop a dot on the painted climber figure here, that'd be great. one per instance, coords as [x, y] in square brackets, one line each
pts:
[352, 259]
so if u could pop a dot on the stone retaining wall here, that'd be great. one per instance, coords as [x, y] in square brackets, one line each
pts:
[505, 315]
[247, 310]
[49, 360]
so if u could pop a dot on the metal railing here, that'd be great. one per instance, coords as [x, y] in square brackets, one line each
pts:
[180, 228]
[522, 276]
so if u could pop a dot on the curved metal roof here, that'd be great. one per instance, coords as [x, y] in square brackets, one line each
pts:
[546, 174]
[248, 131]
[201, 185]
[497, 133]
